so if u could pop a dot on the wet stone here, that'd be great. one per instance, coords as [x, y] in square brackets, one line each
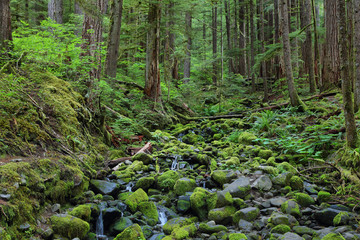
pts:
[277, 201]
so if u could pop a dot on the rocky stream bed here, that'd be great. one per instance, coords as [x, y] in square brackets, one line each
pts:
[196, 186]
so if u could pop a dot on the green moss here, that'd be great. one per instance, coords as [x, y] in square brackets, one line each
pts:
[248, 215]
[246, 138]
[167, 180]
[281, 228]
[69, 226]
[134, 199]
[296, 183]
[133, 232]
[213, 165]
[341, 218]
[184, 185]
[333, 236]
[221, 214]
[82, 211]
[203, 227]
[237, 236]
[135, 166]
[184, 232]
[233, 161]
[271, 161]
[265, 154]
[304, 199]
[239, 203]
[145, 182]
[143, 157]
[202, 201]
[220, 176]
[116, 153]
[324, 196]
[150, 212]
[175, 223]
[291, 207]
[286, 167]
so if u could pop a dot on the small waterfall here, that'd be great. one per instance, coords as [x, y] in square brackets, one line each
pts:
[175, 164]
[100, 226]
[162, 218]
[129, 186]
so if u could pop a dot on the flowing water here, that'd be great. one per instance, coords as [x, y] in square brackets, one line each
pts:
[162, 218]
[175, 163]
[129, 186]
[100, 226]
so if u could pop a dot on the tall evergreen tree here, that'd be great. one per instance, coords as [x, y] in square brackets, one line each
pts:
[5, 23]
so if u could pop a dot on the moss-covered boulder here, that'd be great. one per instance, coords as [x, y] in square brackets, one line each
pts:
[175, 223]
[223, 176]
[192, 138]
[248, 214]
[150, 212]
[233, 161]
[82, 211]
[184, 185]
[333, 236]
[265, 154]
[69, 226]
[286, 167]
[304, 199]
[211, 227]
[135, 166]
[134, 199]
[143, 157]
[120, 225]
[133, 232]
[224, 199]
[296, 183]
[323, 196]
[167, 180]
[184, 232]
[222, 215]
[246, 138]
[104, 187]
[237, 236]
[342, 218]
[277, 218]
[292, 208]
[283, 179]
[281, 228]
[202, 201]
[145, 183]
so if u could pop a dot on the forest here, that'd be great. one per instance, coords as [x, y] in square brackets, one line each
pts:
[175, 119]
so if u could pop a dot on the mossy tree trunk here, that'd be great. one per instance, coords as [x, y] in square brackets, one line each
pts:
[187, 60]
[112, 54]
[294, 97]
[351, 135]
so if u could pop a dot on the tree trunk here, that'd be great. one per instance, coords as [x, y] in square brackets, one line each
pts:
[175, 64]
[77, 8]
[350, 26]
[5, 24]
[252, 44]
[55, 10]
[316, 42]
[331, 54]
[351, 135]
[294, 97]
[114, 38]
[214, 44]
[276, 37]
[248, 42]
[242, 39]
[228, 35]
[26, 14]
[294, 42]
[187, 61]
[152, 84]
[262, 40]
[307, 49]
[357, 56]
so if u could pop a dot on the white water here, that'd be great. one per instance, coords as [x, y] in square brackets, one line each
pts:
[100, 226]
[162, 218]
[175, 164]
[129, 186]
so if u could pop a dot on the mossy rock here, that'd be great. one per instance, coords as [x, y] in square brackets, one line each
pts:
[175, 223]
[246, 138]
[184, 232]
[184, 185]
[133, 232]
[292, 208]
[342, 218]
[265, 154]
[145, 183]
[167, 180]
[134, 199]
[324, 196]
[223, 176]
[283, 179]
[281, 228]
[233, 161]
[211, 228]
[237, 236]
[150, 212]
[202, 201]
[143, 157]
[136, 166]
[249, 214]
[82, 211]
[120, 225]
[333, 236]
[286, 167]
[192, 138]
[296, 183]
[202, 159]
[69, 226]
[116, 153]
[222, 215]
[304, 199]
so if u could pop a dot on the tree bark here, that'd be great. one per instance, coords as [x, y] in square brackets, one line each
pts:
[214, 44]
[175, 62]
[276, 37]
[252, 44]
[262, 40]
[316, 42]
[77, 8]
[294, 42]
[55, 10]
[351, 135]
[5, 24]
[114, 38]
[294, 97]
[187, 61]
[242, 39]
[228, 35]
[152, 84]
[307, 49]
[357, 56]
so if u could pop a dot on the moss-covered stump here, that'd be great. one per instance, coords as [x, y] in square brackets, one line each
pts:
[82, 211]
[134, 199]
[150, 212]
[69, 226]
[184, 185]
[133, 232]
[222, 215]
[202, 201]
[167, 180]
[175, 223]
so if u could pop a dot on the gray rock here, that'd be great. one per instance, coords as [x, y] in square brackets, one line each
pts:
[248, 214]
[292, 208]
[24, 227]
[223, 176]
[104, 187]
[310, 188]
[290, 236]
[120, 225]
[221, 199]
[110, 215]
[279, 218]
[239, 188]
[55, 208]
[323, 232]
[245, 225]
[301, 230]
[263, 183]
[277, 201]
[282, 179]
[5, 196]
[326, 216]
[157, 236]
